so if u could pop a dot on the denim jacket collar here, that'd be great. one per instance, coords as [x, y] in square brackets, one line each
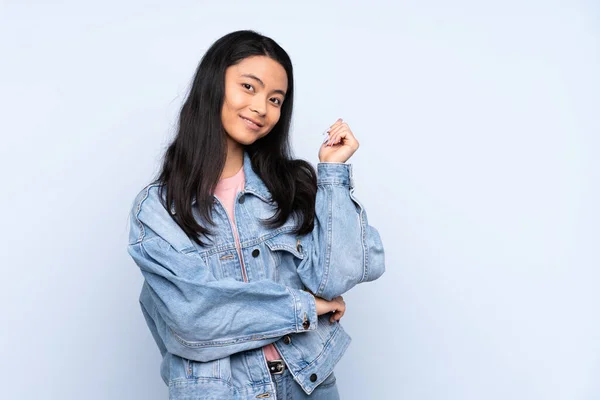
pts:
[253, 183]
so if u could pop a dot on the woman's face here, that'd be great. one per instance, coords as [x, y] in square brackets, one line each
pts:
[254, 93]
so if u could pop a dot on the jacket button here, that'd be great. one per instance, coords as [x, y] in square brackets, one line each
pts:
[306, 324]
[242, 199]
[287, 339]
[313, 378]
[255, 253]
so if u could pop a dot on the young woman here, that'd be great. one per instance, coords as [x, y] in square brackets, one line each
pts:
[245, 251]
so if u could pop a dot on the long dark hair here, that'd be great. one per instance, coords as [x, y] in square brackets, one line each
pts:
[194, 161]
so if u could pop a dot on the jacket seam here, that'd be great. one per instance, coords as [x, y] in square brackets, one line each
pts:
[186, 381]
[137, 213]
[142, 234]
[247, 243]
[326, 346]
[363, 235]
[224, 343]
[331, 337]
[325, 277]
[343, 183]
[295, 308]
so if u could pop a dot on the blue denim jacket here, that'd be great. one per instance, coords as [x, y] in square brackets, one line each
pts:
[210, 325]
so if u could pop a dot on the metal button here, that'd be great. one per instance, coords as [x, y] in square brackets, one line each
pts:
[313, 378]
[242, 199]
[306, 324]
[255, 253]
[287, 339]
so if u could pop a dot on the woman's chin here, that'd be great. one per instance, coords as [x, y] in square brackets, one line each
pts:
[245, 139]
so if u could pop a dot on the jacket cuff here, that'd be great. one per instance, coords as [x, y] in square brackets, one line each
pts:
[334, 174]
[305, 308]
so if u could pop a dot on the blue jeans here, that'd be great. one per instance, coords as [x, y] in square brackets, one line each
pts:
[288, 389]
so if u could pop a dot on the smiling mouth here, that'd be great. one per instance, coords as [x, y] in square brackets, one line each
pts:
[251, 124]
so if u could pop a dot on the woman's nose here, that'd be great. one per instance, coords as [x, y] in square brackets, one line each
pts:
[258, 107]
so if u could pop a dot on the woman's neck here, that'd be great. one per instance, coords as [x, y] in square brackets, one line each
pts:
[235, 159]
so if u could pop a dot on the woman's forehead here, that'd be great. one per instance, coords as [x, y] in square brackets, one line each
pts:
[267, 70]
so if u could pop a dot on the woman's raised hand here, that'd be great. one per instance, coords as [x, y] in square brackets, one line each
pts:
[339, 145]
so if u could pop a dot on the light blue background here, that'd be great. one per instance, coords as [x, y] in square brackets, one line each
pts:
[479, 130]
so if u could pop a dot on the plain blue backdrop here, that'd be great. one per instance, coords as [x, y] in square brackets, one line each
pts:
[478, 124]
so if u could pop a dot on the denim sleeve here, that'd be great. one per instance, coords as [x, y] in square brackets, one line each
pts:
[343, 249]
[195, 316]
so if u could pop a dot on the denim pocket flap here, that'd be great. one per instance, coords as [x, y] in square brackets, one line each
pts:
[287, 242]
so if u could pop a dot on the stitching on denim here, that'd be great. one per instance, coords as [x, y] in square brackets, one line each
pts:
[228, 342]
[137, 213]
[363, 231]
[326, 346]
[246, 244]
[276, 247]
[186, 382]
[295, 309]
[325, 277]
[343, 183]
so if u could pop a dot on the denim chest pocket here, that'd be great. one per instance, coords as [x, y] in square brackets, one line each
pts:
[226, 264]
[287, 253]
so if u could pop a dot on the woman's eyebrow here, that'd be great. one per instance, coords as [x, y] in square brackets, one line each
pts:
[257, 79]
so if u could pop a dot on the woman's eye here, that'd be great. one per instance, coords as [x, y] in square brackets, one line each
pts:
[276, 101]
[247, 86]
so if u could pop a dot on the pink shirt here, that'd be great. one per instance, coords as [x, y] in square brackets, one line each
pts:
[226, 190]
